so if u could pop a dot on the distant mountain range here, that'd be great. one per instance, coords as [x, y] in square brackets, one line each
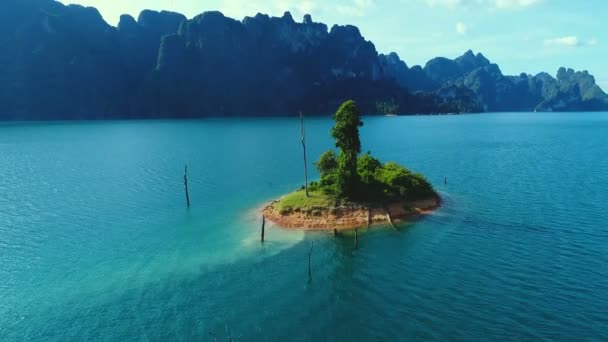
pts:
[493, 91]
[66, 62]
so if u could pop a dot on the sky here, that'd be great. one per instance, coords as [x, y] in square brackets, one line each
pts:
[519, 35]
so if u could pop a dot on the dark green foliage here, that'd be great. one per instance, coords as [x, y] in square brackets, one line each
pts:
[399, 182]
[390, 182]
[364, 178]
[388, 107]
[329, 179]
[314, 186]
[327, 162]
[328, 167]
[347, 178]
[346, 134]
[346, 130]
[367, 167]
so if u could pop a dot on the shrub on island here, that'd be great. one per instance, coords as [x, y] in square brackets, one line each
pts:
[354, 190]
[351, 177]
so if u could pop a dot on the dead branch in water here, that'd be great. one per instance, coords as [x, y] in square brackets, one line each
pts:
[304, 148]
[186, 185]
[263, 226]
[388, 218]
[309, 257]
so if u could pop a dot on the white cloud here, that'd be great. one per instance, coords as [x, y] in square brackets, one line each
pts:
[563, 41]
[241, 8]
[357, 8]
[515, 3]
[298, 8]
[461, 28]
[447, 3]
[570, 41]
[493, 4]
[306, 7]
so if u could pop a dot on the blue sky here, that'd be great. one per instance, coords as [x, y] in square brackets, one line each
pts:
[520, 35]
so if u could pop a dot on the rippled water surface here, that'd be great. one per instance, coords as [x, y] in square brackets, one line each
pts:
[96, 242]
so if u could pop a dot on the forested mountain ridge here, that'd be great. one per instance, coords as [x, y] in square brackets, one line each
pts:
[569, 91]
[66, 62]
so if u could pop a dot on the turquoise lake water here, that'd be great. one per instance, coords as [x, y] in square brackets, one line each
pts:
[96, 242]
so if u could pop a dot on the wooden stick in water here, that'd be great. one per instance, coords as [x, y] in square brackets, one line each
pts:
[388, 218]
[309, 267]
[186, 185]
[304, 148]
[263, 225]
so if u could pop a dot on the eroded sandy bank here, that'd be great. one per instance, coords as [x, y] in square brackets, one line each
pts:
[350, 216]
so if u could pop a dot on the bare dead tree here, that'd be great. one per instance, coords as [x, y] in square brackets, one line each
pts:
[309, 267]
[186, 185]
[304, 149]
[263, 225]
[389, 219]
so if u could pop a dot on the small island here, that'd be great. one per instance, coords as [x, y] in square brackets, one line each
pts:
[355, 190]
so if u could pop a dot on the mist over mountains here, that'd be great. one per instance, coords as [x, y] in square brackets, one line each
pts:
[66, 62]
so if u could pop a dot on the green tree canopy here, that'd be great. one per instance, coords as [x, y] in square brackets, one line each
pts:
[346, 130]
[367, 167]
[346, 134]
[349, 176]
[327, 162]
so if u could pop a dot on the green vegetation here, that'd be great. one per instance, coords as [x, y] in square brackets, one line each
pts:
[388, 107]
[346, 135]
[316, 199]
[350, 177]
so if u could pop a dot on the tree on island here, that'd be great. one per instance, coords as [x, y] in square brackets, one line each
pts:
[364, 178]
[346, 135]
[353, 188]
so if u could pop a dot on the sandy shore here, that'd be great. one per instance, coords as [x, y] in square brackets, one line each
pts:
[351, 216]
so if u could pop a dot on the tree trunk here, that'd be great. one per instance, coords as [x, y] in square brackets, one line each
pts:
[263, 225]
[390, 221]
[309, 267]
[186, 185]
[304, 149]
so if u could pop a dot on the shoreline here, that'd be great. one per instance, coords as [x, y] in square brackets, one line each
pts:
[351, 216]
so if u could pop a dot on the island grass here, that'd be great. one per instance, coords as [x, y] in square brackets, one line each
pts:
[298, 200]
